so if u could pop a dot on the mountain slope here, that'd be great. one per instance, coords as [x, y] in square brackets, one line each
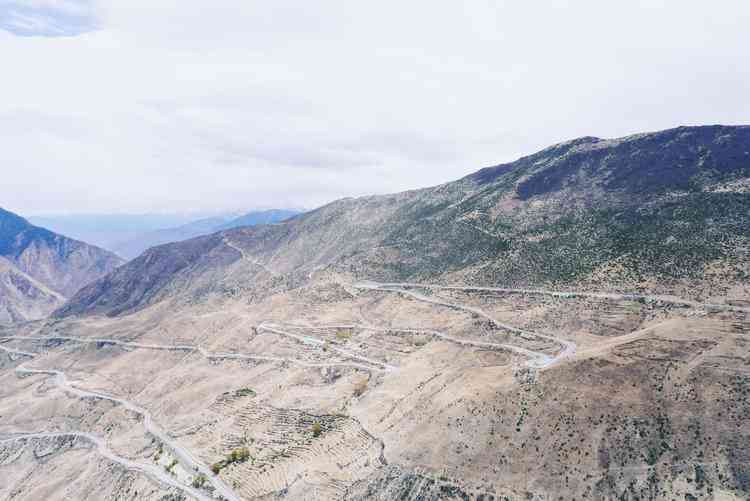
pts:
[22, 297]
[662, 211]
[40, 268]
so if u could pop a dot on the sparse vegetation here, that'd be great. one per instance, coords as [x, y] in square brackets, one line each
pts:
[158, 453]
[239, 455]
[317, 429]
[199, 481]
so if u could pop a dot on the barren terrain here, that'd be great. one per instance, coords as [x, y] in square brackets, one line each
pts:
[573, 325]
[387, 391]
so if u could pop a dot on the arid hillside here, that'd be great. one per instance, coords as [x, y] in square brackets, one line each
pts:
[573, 325]
[39, 268]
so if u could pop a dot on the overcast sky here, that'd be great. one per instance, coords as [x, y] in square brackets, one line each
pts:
[153, 105]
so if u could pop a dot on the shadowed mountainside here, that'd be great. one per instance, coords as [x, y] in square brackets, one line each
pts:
[40, 268]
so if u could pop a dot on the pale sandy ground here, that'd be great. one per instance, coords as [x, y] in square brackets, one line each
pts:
[407, 396]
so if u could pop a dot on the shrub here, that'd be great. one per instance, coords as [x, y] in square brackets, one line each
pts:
[199, 481]
[239, 455]
[317, 429]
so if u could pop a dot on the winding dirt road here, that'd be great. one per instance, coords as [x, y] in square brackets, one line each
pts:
[245, 257]
[431, 332]
[153, 471]
[277, 329]
[180, 453]
[379, 366]
[677, 301]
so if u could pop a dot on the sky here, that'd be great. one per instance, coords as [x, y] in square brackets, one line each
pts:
[134, 106]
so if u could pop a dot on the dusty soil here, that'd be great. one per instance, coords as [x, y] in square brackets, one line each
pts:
[340, 392]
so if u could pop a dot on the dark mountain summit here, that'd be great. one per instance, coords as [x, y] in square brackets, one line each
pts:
[40, 268]
[685, 158]
[662, 211]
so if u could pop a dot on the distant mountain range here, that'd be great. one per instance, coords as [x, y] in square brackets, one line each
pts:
[135, 246]
[108, 230]
[39, 269]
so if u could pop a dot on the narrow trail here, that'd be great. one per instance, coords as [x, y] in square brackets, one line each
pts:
[277, 329]
[153, 471]
[562, 294]
[180, 453]
[245, 257]
[379, 366]
[430, 332]
[537, 360]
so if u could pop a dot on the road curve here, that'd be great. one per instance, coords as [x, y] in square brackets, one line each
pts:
[278, 329]
[463, 342]
[182, 454]
[537, 359]
[245, 257]
[150, 470]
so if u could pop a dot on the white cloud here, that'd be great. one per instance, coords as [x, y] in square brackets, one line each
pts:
[229, 104]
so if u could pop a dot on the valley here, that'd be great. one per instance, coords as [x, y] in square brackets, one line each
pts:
[545, 329]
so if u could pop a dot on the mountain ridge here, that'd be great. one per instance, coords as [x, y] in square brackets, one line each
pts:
[571, 213]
